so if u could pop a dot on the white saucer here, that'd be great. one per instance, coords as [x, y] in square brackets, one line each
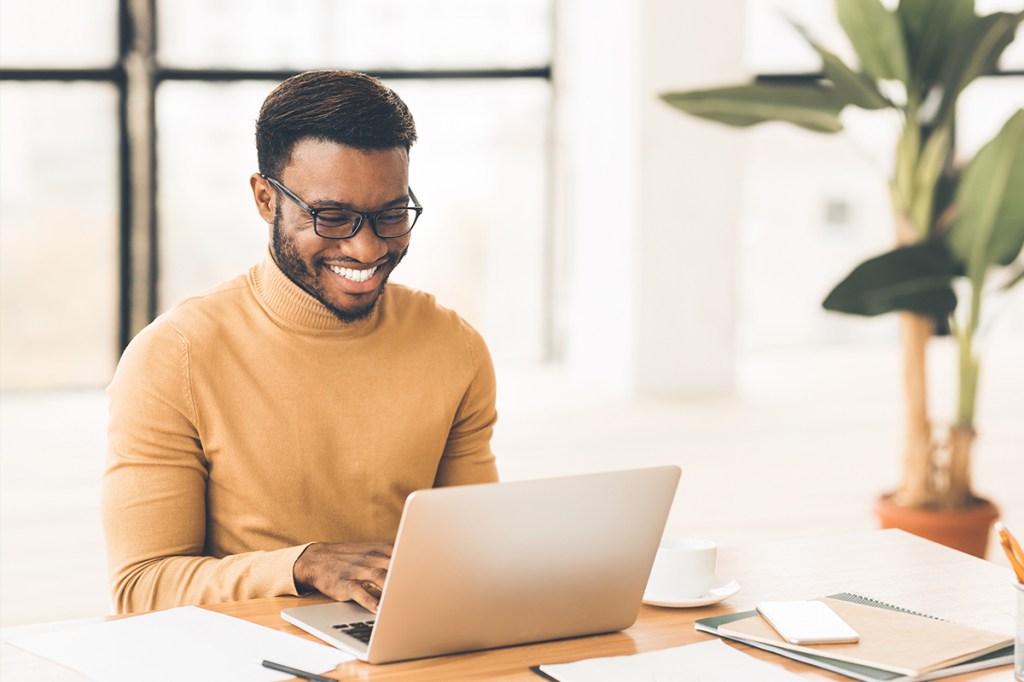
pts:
[721, 588]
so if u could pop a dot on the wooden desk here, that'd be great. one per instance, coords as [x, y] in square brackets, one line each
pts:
[888, 565]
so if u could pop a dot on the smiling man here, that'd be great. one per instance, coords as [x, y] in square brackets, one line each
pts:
[264, 434]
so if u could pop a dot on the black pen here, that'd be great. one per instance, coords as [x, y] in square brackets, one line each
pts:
[297, 672]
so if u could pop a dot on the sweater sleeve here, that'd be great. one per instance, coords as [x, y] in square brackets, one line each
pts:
[154, 491]
[467, 455]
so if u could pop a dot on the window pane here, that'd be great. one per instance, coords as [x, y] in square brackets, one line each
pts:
[208, 227]
[984, 107]
[354, 34]
[1013, 56]
[479, 169]
[817, 205]
[58, 236]
[773, 46]
[58, 33]
[814, 206]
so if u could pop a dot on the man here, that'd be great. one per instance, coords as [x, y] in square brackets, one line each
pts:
[265, 434]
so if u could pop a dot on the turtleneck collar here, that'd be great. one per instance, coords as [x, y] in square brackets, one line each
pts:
[293, 307]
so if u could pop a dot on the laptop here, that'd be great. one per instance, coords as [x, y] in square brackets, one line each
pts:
[498, 564]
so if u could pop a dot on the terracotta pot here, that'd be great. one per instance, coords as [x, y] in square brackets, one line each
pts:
[964, 529]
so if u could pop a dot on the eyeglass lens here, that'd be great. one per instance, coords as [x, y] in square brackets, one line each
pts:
[341, 223]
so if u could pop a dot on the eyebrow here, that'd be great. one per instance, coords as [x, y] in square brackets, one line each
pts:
[321, 204]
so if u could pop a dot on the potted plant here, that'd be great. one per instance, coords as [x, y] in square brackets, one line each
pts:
[959, 226]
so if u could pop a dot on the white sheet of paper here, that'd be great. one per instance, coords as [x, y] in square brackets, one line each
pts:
[186, 643]
[713, 661]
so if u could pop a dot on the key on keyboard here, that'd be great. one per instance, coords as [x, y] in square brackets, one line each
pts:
[361, 631]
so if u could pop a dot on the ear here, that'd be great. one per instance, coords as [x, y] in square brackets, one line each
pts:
[264, 195]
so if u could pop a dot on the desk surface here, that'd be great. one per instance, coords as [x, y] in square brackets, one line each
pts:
[888, 565]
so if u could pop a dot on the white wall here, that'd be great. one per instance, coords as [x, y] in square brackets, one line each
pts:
[647, 200]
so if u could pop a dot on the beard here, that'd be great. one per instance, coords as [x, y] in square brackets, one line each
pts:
[303, 274]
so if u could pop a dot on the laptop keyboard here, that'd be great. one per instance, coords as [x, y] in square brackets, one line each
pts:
[360, 631]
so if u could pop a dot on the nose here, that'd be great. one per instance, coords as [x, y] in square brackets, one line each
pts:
[365, 246]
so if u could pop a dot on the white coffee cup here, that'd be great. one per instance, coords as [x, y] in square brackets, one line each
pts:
[683, 569]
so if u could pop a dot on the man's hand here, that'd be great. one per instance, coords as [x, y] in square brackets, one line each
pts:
[345, 571]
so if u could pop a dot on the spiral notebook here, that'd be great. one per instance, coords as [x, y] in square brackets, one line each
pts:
[906, 645]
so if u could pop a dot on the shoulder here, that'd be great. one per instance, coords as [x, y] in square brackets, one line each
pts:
[210, 305]
[205, 313]
[419, 313]
[170, 335]
[419, 308]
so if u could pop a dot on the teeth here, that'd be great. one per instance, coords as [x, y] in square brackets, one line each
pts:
[354, 275]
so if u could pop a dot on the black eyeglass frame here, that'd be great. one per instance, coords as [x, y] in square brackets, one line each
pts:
[363, 217]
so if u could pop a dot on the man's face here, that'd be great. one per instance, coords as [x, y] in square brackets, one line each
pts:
[346, 275]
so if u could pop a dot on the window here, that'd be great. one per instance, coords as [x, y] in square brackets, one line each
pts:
[91, 142]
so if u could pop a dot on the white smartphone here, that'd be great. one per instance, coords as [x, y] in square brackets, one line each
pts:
[807, 622]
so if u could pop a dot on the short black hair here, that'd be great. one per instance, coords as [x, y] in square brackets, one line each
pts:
[344, 107]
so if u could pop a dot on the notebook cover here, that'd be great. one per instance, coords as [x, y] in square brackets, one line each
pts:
[996, 654]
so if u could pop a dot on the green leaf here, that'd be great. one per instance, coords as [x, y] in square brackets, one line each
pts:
[852, 87]
[908, 148]
[929, 28]
[915, 278]
[929, 167]
[975, 52]
[943, 206]
[989, 227]
[809, 105]
[876, 35]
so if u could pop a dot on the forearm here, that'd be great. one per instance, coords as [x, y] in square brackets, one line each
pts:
[171, 581]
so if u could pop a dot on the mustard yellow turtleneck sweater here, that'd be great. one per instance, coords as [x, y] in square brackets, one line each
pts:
[249, 421]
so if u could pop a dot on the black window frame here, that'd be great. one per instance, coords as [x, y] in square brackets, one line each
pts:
[136, 76]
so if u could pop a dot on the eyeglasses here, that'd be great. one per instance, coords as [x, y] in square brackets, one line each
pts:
[344, 223]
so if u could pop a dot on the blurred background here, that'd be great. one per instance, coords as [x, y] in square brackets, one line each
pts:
[649, 284]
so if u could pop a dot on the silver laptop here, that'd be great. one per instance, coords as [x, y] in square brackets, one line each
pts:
[483, 566]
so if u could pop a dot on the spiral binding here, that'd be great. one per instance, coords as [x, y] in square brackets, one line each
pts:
[868, 601]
